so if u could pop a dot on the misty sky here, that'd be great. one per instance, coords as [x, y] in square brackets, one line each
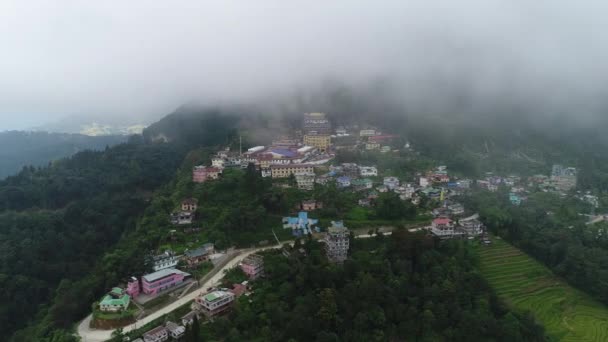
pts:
[141, 59]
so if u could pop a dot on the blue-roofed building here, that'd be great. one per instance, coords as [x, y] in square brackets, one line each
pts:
[300, 225]
[515, 199]
[343, 181]
[283, 152]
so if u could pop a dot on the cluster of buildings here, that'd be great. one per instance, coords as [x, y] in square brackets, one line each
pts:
[164, 278]
[186, 213]
[163, 333]
[446, 227]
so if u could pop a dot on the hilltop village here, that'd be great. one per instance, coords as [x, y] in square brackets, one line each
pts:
[310, 163]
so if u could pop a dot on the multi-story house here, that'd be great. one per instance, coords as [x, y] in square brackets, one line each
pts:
[168, 259]
[284, 171]
[337, 242]
[391, 182]
[215, 303]
[368, 171]
[182, 217]
[319, 141]
[316, 123]
[154, 283]
[308, 205]
[305, 181]
[196, 256]
[189, 204]
[175, 330]
[158, 334]
[201, 173]
[442, 227]
[253, 266]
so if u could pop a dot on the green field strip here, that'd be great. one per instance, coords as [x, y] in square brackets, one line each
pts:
[525, 284]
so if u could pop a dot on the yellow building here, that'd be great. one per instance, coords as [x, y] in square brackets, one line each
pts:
[283, 171]
[320, 141]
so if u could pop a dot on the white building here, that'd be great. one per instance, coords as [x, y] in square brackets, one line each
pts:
[215, 302]
[175, 330]
[305, 181]
[368, 171]
[423, 182]
[391, 182]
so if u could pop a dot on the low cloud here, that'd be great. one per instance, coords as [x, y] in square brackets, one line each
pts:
[141, 59]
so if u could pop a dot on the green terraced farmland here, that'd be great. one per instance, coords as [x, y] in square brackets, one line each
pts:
[567, 314]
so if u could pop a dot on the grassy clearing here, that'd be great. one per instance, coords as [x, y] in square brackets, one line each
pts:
[567, 314]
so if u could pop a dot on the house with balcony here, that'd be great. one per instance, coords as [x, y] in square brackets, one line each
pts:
[442, 227]
[189, 204]
[175, 330]
[368, 171]
[215, 303]
[168, 259]
[157, 282]
[182, 217]
[253, 266]
[158, 334]
[305, 181]
[337, 242]
[391, 182]
[309, 205]
[343, 181]
[199, 255]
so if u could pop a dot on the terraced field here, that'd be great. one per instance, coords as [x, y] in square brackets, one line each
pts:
[566, 313]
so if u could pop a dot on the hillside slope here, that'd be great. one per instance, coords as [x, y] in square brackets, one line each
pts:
[19, 149]
[566, 313]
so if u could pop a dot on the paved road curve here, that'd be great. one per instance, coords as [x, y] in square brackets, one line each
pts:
[95, 335]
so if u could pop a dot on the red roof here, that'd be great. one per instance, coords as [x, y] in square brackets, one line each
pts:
[442, 220]
[238, 289]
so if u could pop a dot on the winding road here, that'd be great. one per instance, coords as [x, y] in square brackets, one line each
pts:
[95, 335]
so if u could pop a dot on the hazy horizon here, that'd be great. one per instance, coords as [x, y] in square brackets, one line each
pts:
[139, 60]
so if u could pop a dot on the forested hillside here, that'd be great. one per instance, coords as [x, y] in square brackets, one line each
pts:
[57, 222]
[399, 288]
[19, 149]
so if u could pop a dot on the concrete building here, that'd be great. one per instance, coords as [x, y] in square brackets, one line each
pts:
[284, 171]
[391, 182]
[154, 283]
[316, 123]
[368, 171]
[215, 303]
[253, 266]
[195, 257]
[168, 259]
[442, 227]
[305, 181]
[175, 330]
[189, 204]
[201, 173]
[158, 334]
[337, 242]
[308, 205]
[182, 217]
[116, 300]
[320, 141]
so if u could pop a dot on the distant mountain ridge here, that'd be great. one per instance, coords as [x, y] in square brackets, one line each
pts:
[19, 148]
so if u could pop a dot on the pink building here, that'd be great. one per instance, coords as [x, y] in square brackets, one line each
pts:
[156, 282]
[133, 287]
[253, 266]
[201, 173]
